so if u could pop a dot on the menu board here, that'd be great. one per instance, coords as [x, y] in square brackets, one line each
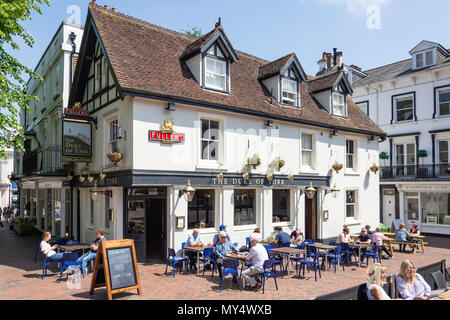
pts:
[121, 267]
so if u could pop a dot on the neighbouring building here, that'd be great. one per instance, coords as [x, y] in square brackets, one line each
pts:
[410, 100]
[249, 135]
[8, 195]
[40, 171]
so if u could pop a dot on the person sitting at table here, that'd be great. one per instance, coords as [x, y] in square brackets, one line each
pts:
[402, 236]
[48, 250]
[282, 239]
[411, 285]
[216, 238]
[363, 237]
[193, 240]
[344, 237]
[369, 232]
[257, 230]
[297, 236]
[92, 254]
[375, 282]
[414, 231]
[222, 248]
[257, 255]
[378, 237]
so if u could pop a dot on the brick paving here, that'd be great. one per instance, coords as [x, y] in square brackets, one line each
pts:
[20, 278]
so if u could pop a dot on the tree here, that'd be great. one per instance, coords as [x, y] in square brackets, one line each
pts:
[194, 32]
[12, 86]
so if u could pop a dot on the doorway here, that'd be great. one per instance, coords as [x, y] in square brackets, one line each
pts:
[310, 219]
[388, 207]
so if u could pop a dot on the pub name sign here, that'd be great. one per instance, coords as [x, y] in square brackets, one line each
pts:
[166, 134]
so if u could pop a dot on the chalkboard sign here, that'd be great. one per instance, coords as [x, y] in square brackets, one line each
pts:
[121, 268]
[116, 267]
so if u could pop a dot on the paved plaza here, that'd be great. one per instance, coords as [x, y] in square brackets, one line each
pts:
[20, 278]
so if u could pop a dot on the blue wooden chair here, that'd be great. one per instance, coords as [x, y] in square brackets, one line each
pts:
[47, 262]
[230, 267]
[247, 243]
[269, 272]
[314, 263]
[276, 262]
[69, 259]
[347, 252]
[336, 258]
[208, 257]
[374, 253]
[173, 260]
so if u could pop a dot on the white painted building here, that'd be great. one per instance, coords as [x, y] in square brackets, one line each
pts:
[40, 171]
[6, 170]
[214, 110]
[410, 100]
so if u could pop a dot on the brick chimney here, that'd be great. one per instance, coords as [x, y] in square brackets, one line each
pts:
[338, 58]
[330, 62]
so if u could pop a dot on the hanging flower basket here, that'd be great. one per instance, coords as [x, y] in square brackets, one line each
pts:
[115, 157]
[374, 168]
[254, 162]
[278, 163]
[337, 167]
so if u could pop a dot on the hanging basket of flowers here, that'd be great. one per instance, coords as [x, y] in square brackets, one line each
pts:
[278, 163]
[254, 162]
[115, 157]
[337, 167]
[374, 168]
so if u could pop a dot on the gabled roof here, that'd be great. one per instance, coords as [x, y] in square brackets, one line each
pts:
[202, 44]
[329, 81]
[425, 44]
[145, 61]
[280, 65]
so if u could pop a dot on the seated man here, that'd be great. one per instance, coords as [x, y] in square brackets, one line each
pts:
[364, 237]
[222, 248]
[282, 238]
[92, 254]
[257, 255]
[193, 240]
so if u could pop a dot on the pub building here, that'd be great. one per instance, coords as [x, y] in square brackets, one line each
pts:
[191, 133]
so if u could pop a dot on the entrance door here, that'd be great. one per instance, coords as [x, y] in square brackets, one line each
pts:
[388, 207]
[155, 233]
[136, 226]
[310, 218]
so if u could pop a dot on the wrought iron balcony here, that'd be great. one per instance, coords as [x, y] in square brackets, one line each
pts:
[414, 172]
[43, 162]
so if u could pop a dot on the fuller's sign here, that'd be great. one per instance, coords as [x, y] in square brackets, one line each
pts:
[166, 134]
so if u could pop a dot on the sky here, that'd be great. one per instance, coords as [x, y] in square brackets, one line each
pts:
[370, 33]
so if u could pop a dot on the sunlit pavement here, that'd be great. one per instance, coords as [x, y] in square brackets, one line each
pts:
[20, 277]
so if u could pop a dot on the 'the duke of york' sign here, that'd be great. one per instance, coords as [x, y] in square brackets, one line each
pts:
[166, 135]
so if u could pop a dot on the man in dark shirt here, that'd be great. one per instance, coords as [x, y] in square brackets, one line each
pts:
[92, 254]
[282, 239]
[364, 237]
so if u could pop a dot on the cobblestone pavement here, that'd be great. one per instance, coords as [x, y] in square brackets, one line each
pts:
[20, 278]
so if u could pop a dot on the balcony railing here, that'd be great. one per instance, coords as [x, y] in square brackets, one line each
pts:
[438, 171]
[43, 161]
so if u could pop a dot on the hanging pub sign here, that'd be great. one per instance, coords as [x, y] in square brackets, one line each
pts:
[166, 135]
[77, 141]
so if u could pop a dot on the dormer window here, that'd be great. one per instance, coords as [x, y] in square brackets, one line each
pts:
[216, 69]
[424, 59]
[289, 88]
[338, 100]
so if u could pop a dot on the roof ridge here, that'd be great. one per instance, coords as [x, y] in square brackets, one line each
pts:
[386, 65]
[326, 75]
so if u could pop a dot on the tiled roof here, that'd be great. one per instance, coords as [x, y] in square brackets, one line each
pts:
[324, 82]
[146, 59]
[273, 68]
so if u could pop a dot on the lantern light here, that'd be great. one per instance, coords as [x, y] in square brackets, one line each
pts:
[310, 191]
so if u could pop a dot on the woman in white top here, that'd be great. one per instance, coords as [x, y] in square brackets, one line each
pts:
[412, 285]
[377, 278]
[48, 250]
[344, 237]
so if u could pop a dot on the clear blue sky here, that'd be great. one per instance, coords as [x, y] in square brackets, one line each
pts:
[270, 29]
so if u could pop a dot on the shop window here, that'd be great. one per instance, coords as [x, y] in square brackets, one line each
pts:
[244, 207]
[201, 210]
[281, 205]
[435, 208]
[351, 204]
[136, 217]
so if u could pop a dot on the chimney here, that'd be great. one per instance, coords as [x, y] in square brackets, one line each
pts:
[338, 58]
[107, 7]
[115, 10]
[330, 63]
[334, 56]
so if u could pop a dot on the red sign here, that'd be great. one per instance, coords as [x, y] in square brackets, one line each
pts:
[166, 137]
[76, 112]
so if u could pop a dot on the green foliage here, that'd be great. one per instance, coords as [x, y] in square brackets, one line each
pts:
[422, 153]
[195, 32]
[12, 86]
[384, 156]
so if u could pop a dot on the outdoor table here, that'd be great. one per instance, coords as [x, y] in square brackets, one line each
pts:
[443, 296]
[285, 252]
[198, 250]
[72, 247]
[321, 246]
[359, 245]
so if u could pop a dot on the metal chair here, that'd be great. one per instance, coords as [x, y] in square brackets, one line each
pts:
[315, 263]
[439, 280]
[276, 262]
[346, 251]
[337, 258]
[208, 257]
[269, 272]
[374, 254]
[230, 267]
[69, 259]
[173, 260]
[47, 262]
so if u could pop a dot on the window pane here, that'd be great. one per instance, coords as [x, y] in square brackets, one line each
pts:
[306, 142]
[404, 115]
[136, 217]
[201, 209]
[419, 60]
[220, 67]
[350, 203]
[307, 158]
[443, 151]
[350, 146]
[205, 153]
[210, 65]
[244, 207]
[444, 102]
[280, 205]
[213, 150]
[429, 58]
[205, 129]
[214, 130]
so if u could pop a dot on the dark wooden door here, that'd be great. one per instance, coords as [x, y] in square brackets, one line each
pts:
[155, 228]
[310, 218]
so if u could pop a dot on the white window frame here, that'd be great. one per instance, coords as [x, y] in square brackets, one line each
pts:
[366, 103]
[287, 100]
[215, 74]
[205, 163]
[403, 97]
[421, 54]
[344, 109]
[405, 156]
[438, 92]
[356, 218]
[303, 167]
[439, 150]
[108, 119]
[354, 169]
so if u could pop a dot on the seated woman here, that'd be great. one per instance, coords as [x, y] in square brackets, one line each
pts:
[402, 236]
[297, 236]
[414, 231]
[377, 278]
[411, 285]
[48, 250]
[344, 237]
